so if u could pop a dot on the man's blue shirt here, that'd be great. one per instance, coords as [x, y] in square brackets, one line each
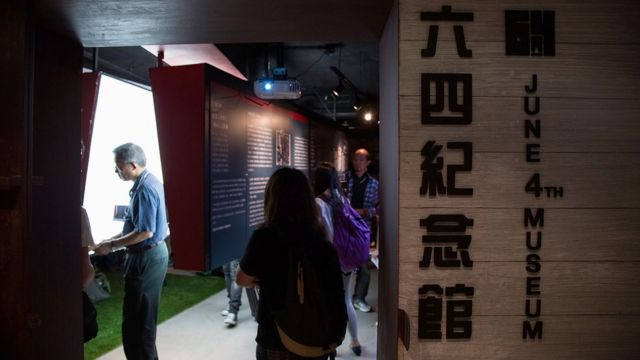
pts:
[147, 208]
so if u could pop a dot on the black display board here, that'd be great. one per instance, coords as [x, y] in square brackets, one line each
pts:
[328, 143]
[249, 139]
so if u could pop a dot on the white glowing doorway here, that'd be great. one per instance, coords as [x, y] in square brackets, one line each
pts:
[124, 113]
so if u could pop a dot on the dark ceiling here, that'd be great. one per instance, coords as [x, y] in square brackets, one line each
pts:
[312, 37]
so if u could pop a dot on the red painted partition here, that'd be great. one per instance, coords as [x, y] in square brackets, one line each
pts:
[90, 86]
[179, 98]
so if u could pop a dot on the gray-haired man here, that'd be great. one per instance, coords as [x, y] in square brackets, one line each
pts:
[145, 267]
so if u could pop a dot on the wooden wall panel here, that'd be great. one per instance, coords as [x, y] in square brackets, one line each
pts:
[590, 141]
[388, 316]
[568, 125]
[577, 21]
[53, 244]
[498, 180]
[567, 288]
[577, 71]
[499, 338]
[587, 235]
[14, 254]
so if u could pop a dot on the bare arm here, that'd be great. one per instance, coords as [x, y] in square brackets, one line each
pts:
[364, 213]
[131, 238]
[245, 280]
[87, 268]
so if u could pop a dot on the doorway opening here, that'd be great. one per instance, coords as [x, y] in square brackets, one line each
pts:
[124, 113]
[311, 64]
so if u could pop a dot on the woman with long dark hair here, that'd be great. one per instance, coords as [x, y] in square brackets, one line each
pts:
[291, 223]
[330, 200]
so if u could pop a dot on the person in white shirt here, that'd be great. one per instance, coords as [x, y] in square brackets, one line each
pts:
[330, 199]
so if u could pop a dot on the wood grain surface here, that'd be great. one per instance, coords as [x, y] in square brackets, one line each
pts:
[589, 95]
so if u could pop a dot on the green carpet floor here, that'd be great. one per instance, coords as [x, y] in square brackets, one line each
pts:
[180, 293]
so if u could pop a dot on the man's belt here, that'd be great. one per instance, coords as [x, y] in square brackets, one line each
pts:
[139, 249]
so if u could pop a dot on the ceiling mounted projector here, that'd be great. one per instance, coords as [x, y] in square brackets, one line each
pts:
[280, 89]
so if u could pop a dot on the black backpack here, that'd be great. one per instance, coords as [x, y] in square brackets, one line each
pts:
[90, 318]
[313, 320]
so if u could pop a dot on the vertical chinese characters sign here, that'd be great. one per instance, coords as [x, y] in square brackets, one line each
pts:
[446, 99]
[532, 33]
[518, 191]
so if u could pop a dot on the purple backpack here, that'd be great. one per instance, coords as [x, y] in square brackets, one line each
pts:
[350, 237]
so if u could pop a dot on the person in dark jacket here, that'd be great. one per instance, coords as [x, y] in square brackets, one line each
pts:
[291, 221]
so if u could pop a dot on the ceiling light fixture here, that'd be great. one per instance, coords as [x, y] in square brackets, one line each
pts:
[357, 103]
[368, 116]
[338, 89]
[344, 83]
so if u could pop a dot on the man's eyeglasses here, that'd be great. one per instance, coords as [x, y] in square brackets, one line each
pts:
[120, 169]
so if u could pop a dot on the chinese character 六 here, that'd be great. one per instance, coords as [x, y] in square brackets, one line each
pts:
[458, 30]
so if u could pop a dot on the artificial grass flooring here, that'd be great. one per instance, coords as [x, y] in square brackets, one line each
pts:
[181, 293]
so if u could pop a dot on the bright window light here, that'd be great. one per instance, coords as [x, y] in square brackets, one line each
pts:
[124, 113]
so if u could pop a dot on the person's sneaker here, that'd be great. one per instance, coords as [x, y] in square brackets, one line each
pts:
[224, 312]
[231, 319]
[205, 273]
[356, 348]
[361, 305]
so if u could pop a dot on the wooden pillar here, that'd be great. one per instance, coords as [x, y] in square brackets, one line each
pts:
[13, 104]
[41, 306]
[389, 159]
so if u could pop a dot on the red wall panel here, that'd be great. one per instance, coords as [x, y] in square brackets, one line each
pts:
[90, 86]
[179, 99]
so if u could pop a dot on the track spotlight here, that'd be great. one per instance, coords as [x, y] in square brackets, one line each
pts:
[338, 89]
[357, 103]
